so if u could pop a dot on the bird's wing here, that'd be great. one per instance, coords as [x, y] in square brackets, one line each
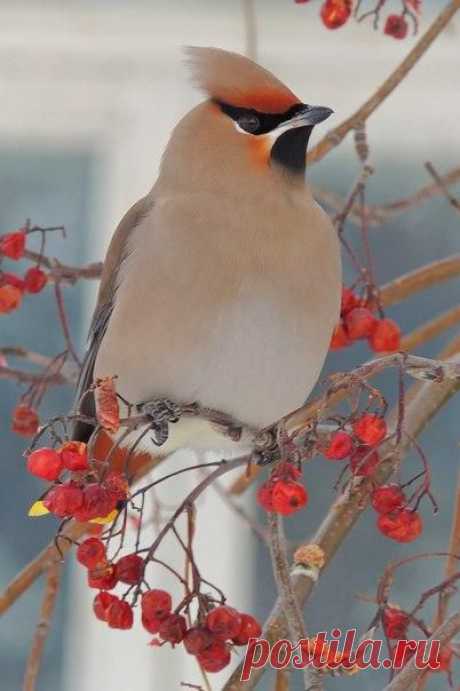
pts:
[113, 260]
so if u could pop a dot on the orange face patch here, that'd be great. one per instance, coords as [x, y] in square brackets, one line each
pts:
[260, 150]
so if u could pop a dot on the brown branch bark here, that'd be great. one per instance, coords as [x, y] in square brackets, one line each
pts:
[430, 330]
[65, 272]
[333, 138]
[43, 627]
[420, 279]
[423, 402]
[410, 673]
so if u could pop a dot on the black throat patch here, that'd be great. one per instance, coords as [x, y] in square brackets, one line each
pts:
[290, 149]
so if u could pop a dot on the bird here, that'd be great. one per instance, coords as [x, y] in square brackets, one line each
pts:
[222, 284]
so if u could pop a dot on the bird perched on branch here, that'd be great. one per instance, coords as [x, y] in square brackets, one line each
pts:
[221, 285]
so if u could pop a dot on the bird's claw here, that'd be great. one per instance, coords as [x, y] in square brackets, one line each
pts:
[162, 412]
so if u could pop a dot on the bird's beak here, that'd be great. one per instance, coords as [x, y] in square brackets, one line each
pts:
[310, 116]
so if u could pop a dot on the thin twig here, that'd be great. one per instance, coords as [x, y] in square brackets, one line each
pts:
[333, 138]
[43, 627]
[453, 201]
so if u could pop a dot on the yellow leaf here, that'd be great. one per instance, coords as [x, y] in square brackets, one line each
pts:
[37, 509]
[102, 520]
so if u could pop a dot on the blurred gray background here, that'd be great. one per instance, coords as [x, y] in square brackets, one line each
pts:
[89, 93]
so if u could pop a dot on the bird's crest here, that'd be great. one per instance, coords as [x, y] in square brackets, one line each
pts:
[238, 81]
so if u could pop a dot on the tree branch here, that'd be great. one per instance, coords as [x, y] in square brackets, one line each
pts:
[334, 138]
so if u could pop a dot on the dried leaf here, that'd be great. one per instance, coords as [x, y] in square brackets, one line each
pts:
[107, 408]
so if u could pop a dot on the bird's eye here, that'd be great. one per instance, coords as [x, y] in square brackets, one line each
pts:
[249, 123]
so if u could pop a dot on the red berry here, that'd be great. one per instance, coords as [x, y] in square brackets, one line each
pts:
[10, 299]
[25, 420]
[250, 628]
[360, 323]
[35, 280]
[215, 657]
[364, 461]
[340, 338]
[91, 552]
[130, 569]
[445, 659]
[12, 280]
[388, 498]
[74, 455]
[156, 604]
[103, 577]
[349, 301]
[395, 622]
[120, 615]
[288, 497]
[101, 604]
[386, 337]
[12, 245]
[151, 624]
[224, 621]
[97, 502]
[64, 500]
[396, 26]
[117, 485]
[197, 639]
[45, 463]
[340, 446]
[264, 496]
[370, 429]
[335, 13]
[403, 525]
[173, 628]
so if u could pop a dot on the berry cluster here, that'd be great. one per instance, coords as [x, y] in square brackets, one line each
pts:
[86, 495]
[359, 322]
[396, 623]
[359, 444]
[210, 638]
[282, 492]
[395, 519]
[336, 13]
[13, 287]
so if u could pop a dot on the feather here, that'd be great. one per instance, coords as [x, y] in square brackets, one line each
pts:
[236, 80]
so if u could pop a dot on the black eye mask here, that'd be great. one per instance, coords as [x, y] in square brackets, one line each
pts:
[254, 122]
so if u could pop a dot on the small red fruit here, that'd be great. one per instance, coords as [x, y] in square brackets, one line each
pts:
[215, 657]
[101, 604]
[335, 13]
[340, 338]
[349, 301]
[395, 622]
[74, 455]
[64, 500]
[388, 498]
[360, 323]
[35, 280]
[197, 639]
[264, 496]
[364, 461]
[151, 624]
[117, 485]
[370, 429]
[97, 502]
[340, 447]
[12, 245]
[250, 628]
[130, 569]
[120, 615]
[386, 337]
[12, 280]
[396, 26]
[288, 497]
[173, 628]
[25, 420]
[103, 577]
[91, 552]
[224, 621]
[45, 463]
[10, 298]
[403, 525]
[156, 604]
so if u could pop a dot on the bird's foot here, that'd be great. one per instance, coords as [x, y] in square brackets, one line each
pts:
[162, 412]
